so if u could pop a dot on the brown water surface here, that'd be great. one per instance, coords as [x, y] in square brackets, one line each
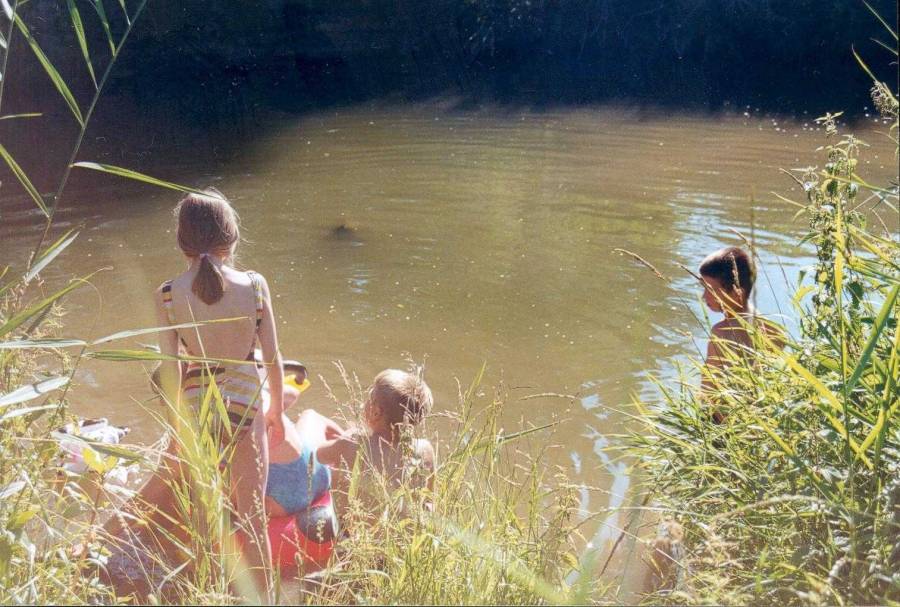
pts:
[462, 239]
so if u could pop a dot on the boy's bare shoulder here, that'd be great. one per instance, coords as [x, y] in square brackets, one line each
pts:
[724, 328]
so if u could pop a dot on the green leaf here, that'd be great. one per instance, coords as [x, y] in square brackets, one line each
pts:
[881, 321]
[26, 411]
[58, 82]
[96, 462]
[82, 41]
[129, 174]
[101, 12]
[18, 520]
[878, 427]
[23, 179]
[51, 342]
[25, 115]
[116, 451]
[50, 253]
[32, 391]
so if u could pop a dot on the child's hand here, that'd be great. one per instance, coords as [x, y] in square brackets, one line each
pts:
[275, 429]
[333, 430]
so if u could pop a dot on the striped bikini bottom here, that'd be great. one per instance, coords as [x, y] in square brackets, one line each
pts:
[239, 384]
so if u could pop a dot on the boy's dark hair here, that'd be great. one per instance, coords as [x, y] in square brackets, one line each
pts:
[731, 266]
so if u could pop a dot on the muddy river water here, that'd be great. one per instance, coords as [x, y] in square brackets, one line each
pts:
[462, 239]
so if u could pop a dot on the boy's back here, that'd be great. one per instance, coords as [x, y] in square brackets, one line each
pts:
[384, 470]
[388, 457]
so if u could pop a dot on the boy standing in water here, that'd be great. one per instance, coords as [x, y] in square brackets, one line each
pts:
[728, 277]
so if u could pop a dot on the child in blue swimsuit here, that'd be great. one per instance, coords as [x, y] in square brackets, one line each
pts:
[296, 478]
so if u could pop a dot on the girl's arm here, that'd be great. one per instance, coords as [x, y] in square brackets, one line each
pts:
[268, 340]
[169, 370]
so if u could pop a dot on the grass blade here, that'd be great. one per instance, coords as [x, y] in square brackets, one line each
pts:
[26, 411]
[82, 41]
[832, 400]
[139, 332]
[883, 22]
[104, 448]
[49, 254]
[25, 115]
[126, 355]
[129, 174]
[32, 391]
[27, 344]
[104, 21]
[58, 81]
[125, 11]
[880, 323]
[24, 180]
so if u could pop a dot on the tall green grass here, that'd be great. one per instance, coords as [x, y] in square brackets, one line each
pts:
[795, 498]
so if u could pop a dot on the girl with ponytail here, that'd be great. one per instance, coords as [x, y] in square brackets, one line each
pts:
[211, 289]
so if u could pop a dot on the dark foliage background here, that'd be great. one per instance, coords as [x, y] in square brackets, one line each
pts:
[209, 59]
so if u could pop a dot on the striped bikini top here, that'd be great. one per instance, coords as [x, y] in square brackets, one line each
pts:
[258, 300]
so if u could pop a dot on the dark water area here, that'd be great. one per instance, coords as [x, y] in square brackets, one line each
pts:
[221, 67]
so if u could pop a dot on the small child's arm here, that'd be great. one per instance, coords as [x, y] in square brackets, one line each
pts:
[338, 451]
[713, 365]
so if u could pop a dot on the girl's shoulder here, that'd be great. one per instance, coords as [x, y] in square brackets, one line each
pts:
[256, 279]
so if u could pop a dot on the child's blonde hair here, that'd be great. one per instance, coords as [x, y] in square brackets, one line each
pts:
[207, 225]
[404, 398]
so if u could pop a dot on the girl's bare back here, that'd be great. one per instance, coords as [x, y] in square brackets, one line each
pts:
[232, 339]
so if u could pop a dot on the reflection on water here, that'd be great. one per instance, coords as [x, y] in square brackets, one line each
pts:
[459, 238]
